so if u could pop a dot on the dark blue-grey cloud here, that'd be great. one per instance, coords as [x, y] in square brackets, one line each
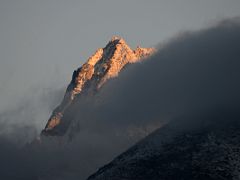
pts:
[194, 72]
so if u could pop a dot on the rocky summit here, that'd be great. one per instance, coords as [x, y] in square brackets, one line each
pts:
[104, 64]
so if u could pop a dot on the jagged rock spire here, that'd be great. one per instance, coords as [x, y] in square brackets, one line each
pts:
[104, 64]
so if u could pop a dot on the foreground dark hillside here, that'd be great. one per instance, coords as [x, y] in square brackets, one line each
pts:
[204, 150]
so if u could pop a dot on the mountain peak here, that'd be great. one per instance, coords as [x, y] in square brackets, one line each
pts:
[104, 64]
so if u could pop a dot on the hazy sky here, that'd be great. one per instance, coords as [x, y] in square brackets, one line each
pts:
[42, 42]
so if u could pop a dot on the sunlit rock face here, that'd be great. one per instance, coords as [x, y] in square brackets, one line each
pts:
[105, 64]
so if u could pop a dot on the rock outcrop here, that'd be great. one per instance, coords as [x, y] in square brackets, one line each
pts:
[105, 64]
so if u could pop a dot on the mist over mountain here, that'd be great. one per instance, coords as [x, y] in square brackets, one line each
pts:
[193, 81]
[53, 142]
[24, 121]
[195, 72]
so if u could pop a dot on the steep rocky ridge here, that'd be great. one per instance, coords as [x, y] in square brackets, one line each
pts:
[105, 64]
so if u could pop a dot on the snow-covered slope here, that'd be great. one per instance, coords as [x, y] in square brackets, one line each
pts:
[207, 149]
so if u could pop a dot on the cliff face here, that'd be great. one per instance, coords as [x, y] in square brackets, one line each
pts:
[105, 64]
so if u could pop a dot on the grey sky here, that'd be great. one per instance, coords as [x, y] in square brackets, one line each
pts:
[42, 42]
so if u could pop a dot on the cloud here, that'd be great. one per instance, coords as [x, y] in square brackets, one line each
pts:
[193, 73]
[23, 121]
